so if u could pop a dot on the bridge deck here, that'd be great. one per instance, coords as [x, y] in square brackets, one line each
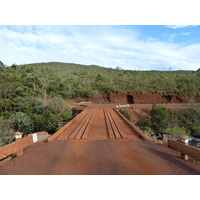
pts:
[98, 124]
[99, 142]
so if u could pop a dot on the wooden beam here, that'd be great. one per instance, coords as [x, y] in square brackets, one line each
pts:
[132, 126]
[87, 130]
[77, 129]
[114, 128]
[123, 135]
[108, 125]
[56, 134]
[184, 149]
[15, 146]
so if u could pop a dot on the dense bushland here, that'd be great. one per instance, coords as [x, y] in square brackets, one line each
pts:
[25, 90]
[177, 122]
[28, 114]
[81, 81]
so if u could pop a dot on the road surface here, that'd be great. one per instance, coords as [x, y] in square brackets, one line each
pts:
[99, 142]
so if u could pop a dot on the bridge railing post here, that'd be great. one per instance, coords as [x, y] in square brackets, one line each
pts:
[165, 141]
[184, 140]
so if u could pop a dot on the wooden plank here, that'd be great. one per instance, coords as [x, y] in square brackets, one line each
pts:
[73, 126]
[84, 127]
[18, 153]
[123, 135]
[109, 128]
[114, 128]
[79, 126]
[56, 134]
[41, 133]
[15, 146]
[86, 133]
[133, 127]
[184, 149]
[2, 162]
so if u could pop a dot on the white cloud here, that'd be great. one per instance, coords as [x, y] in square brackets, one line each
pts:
[178, 26]
[101, 45]
[185, 33]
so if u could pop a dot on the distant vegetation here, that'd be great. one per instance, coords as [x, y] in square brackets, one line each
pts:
[126, 113]
[25, 89]
[177, 122]
[81, 81]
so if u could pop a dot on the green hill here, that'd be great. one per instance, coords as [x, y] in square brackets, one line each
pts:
[83, 81]
[80, 81]
[24, 90]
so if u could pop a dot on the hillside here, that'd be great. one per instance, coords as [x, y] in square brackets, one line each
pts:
[64, 69]
[32, 96]
[74, 81]
[81, 81]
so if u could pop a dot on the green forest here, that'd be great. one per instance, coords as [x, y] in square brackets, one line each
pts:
[175, 122]
[72, 81]
[26, 89]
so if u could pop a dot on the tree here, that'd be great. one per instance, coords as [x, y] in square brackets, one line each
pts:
[47, 121]
[22, 122]
[39, 108]
[46, 79]
[24, 104]
[5, 105]
[47, 117]
[178, 131]
[158, 117]
[1, 64]
[6, 131]
[58, 105]
[6, 89]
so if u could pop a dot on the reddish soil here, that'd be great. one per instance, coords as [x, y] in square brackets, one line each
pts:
[141, 106]
[99, 142]
[99, 157]
[133, 98]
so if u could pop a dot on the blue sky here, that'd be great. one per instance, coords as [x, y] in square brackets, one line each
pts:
[136, 47]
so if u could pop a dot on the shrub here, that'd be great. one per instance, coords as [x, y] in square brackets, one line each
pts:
[58, 105]
[126, 113]
[6, 132]
[22, 122]
[39, 108]
[144, 124]
[178, 131]
[159, 116]
[24, 104]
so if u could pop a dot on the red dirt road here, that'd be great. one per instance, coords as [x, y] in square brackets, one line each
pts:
[99, 157]
[99, 142]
